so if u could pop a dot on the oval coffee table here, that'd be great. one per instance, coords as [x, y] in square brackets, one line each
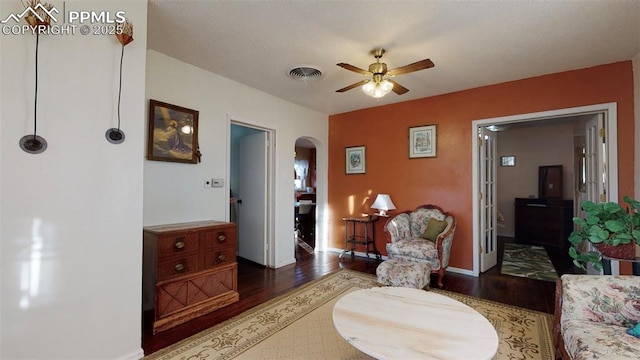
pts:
[404, 323]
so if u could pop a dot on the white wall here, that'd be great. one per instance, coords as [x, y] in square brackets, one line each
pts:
[71, 217]
[636, 97]
[533, 147]
[173, 192]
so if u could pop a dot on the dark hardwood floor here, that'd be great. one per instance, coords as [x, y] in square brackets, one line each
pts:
[257, 284]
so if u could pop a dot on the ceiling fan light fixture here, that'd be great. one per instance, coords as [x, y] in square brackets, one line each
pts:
[378, 86]
[377, 89]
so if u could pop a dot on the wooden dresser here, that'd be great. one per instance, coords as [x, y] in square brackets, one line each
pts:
[543, 221]
[189, 269]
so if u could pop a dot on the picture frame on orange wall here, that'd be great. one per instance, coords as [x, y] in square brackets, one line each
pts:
[355, 161]
[422, 141]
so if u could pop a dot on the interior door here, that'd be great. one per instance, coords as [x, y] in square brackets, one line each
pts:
[252, 193]
[595, 160]
[488, 211]
[596, 172]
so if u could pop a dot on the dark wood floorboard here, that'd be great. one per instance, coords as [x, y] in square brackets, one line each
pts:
[257, 284]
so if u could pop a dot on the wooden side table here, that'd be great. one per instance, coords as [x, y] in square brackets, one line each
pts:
[352, 238]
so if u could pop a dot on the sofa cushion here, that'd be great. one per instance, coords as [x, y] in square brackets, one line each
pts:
[434, 228]
[607, 299]
[586, 340]
[415, 248]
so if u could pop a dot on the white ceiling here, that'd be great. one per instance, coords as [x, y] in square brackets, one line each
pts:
[472, 43]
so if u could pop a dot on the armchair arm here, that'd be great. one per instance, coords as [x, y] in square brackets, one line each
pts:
[560, 351]
[398, 227]
[444, 241]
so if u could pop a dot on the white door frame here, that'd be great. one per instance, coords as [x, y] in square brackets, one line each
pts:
[611, 115]
[270, 176]
[488, 200]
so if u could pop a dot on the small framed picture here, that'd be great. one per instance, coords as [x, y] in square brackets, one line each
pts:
[355, 160]
[422, 141]
[173, 133]
[508, 160]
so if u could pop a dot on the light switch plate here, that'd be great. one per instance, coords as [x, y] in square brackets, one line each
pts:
[216, 182]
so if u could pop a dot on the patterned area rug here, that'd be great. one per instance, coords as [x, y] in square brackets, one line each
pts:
[527, 261]
[298, 325]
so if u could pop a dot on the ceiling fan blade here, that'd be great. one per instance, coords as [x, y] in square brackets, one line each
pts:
[419, 65]
[359, 83]
[397, 88]
[354, 69]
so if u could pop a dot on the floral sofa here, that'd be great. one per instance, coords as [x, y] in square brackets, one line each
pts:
[423, 235]
[592, 315]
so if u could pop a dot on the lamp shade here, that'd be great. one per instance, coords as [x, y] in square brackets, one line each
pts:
[383, 203]
[377, 89]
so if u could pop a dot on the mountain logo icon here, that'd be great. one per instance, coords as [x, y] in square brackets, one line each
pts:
[39, 11]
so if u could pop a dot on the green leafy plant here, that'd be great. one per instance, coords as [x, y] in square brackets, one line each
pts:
[604, 223]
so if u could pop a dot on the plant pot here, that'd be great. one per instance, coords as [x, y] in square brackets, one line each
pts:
[622, 251]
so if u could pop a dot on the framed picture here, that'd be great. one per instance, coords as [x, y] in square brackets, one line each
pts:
[355, 160]
[508, 160]
[422, 141]
[173, 133]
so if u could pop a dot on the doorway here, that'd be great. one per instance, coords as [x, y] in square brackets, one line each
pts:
[305, 187]
[485, 217]
[251, 189]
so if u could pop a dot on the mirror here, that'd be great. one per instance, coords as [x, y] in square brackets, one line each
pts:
[550, 182]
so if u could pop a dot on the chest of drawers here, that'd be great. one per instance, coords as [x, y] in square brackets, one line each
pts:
[543, 221]
[189, 270]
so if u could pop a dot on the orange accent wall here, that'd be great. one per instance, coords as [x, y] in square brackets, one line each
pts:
[446, 179]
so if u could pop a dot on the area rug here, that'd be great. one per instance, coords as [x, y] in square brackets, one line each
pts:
[298, 325]
[527, 261]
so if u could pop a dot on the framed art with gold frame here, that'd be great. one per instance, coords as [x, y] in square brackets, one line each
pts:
[173, 133]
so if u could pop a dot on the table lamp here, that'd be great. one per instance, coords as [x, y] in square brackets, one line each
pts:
[383, 203]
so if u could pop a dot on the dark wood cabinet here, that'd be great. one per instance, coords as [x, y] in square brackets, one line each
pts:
[543, 221]
[189, 269]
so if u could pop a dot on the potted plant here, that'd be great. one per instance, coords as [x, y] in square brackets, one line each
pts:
[613, 230]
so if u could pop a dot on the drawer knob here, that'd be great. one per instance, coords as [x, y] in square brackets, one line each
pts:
[222, 237]
[222, 257]
[179, 245]
[179, 267]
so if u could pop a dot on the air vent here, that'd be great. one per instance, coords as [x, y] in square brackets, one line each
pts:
[305, 73]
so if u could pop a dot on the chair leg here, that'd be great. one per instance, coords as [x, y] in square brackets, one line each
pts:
[440, 276]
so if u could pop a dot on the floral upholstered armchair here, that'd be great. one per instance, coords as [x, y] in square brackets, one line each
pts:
[423, 235]
[592, 315]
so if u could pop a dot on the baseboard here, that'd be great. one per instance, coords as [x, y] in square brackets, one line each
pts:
[136, 355]
[461, 271]
[285, 263]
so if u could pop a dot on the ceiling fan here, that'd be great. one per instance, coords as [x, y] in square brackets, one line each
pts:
[379, 84]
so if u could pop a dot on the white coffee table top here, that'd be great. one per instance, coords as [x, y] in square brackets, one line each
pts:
[403, 323]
